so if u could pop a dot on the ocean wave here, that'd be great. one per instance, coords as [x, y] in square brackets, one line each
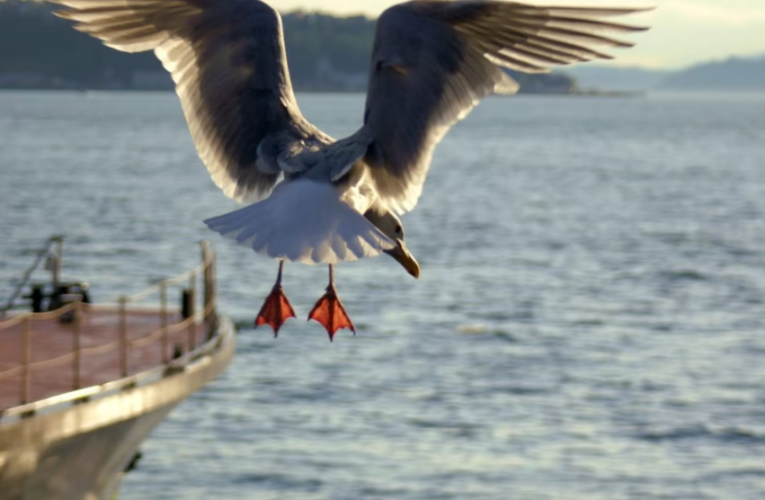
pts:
[737, 473]
[724, 434]
[684, 275]
[479, 329]
[280, 481]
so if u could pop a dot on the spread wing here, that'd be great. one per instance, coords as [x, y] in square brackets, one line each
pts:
[229, 65]
[434, 60]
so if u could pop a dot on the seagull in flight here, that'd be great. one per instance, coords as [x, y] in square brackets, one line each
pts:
[312, 198]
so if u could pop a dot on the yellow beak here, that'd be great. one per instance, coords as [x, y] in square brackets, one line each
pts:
[405, 258]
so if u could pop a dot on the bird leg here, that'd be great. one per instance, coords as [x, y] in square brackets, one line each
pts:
[276, 309]
[329, 311]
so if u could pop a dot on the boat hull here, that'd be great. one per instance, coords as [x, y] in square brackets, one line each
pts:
[81, 451]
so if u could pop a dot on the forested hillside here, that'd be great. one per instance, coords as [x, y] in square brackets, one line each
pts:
[39, 50]
[734, 74]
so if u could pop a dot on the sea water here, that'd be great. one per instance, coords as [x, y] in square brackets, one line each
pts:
[589, 324]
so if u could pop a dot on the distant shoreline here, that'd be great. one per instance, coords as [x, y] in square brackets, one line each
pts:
[617, 94]
[584, 93]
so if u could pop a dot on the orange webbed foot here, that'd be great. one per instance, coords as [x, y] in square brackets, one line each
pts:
[275, 311]
[329, 311]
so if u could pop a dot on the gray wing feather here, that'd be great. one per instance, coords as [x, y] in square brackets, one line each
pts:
[433, 61]
[229, 65]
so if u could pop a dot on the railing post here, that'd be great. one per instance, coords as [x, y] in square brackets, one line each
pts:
[192, 311]
[210, 303]
[77, 338]
[206, 312]
[163, 305]
[26, 359]
[123, 337]
[213, 319]
[205, 279]
[57, 261]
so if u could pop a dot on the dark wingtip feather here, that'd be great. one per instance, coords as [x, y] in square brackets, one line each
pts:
[594, 11]
[64, 14]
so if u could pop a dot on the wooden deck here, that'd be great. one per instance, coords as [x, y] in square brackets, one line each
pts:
[51, 339]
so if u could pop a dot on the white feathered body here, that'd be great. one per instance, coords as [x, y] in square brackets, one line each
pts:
[310, 220]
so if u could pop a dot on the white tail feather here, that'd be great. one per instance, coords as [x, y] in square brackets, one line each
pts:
[303, 221]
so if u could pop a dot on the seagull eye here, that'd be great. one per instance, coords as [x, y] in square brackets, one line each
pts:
[398, 229]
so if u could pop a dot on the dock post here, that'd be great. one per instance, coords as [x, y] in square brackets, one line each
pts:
[26, 359]
[163, 302]
[123, 338]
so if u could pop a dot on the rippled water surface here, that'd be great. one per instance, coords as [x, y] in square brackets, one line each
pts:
[589, 323]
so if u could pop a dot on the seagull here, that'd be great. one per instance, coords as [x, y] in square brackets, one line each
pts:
[312, 198]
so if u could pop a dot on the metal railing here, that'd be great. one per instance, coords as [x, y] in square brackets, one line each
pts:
[76, 313]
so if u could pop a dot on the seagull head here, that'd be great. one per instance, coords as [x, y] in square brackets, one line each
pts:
[390, 225]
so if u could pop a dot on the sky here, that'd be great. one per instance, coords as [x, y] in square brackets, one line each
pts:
[683, 32]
